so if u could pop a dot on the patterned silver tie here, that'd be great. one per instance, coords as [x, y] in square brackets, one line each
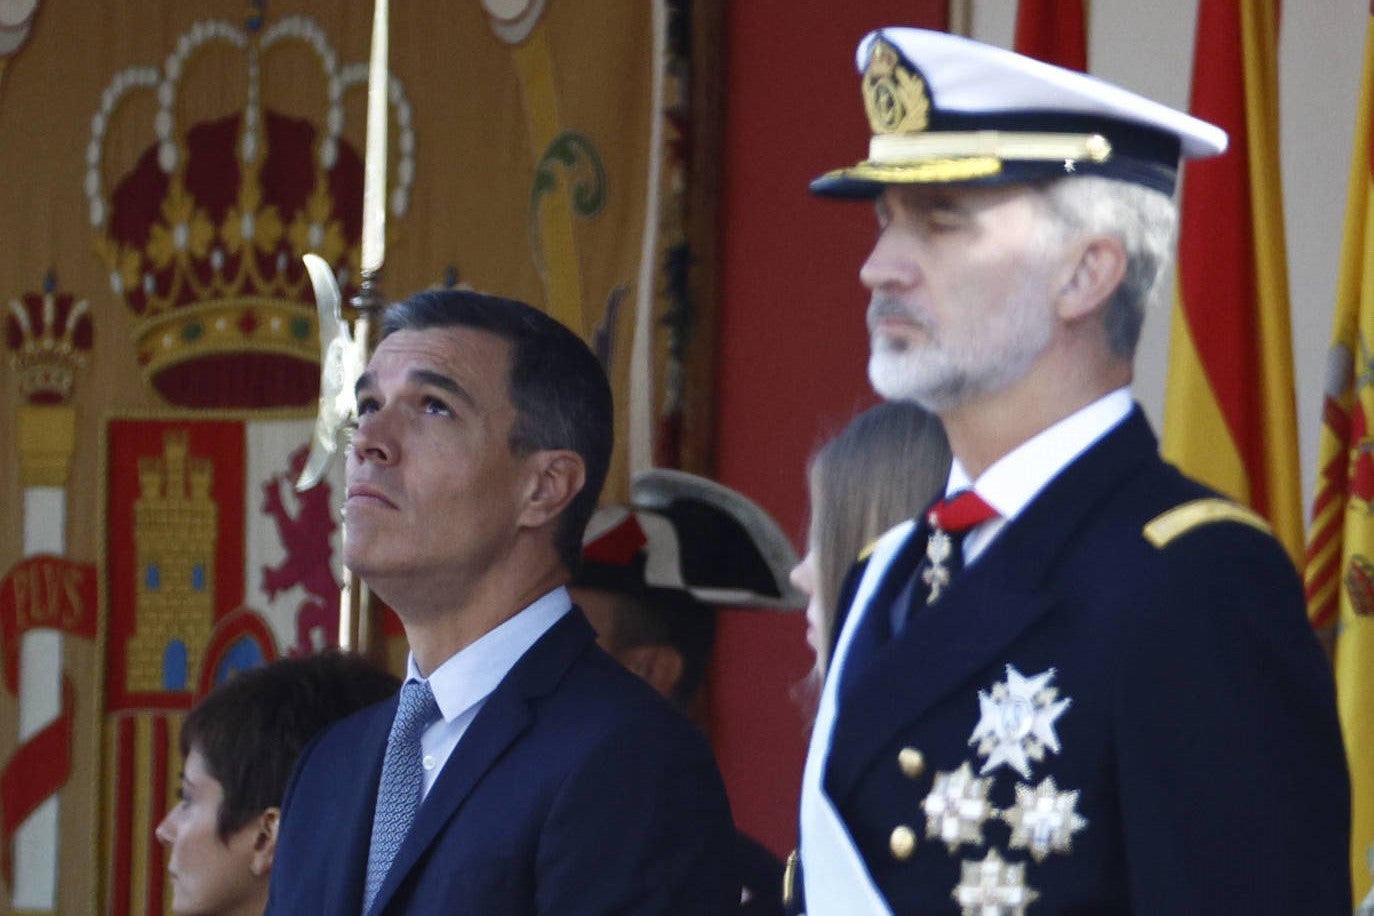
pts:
[398, 793]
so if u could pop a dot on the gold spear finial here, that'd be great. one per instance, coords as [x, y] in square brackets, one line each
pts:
[344, 353]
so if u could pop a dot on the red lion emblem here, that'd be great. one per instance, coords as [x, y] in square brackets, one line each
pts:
[306, 539]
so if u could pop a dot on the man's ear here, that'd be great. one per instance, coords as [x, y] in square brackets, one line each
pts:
[660, 666]
[265, 842]
[558, 476]
[1095, 276]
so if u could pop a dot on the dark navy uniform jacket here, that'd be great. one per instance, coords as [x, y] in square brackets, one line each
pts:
[576, 790]
[1143, 645]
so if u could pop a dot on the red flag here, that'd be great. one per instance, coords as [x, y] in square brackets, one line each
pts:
[1055, 31]
[1229, 413]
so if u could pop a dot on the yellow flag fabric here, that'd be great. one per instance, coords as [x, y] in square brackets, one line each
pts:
[1229, 416]
[1340, 573]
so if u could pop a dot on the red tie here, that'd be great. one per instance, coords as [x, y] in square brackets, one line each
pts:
[960, 512]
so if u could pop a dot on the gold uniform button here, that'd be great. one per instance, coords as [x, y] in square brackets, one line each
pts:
[911, 761]
[902, 842]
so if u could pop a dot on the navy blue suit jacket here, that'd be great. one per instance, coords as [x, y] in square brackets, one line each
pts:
[1201, 735]
[575, 790]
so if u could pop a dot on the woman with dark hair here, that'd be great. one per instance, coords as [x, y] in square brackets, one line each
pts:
[238, 746]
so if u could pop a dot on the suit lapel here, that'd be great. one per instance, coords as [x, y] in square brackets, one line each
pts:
[505, 716]
[344, 844]
[872, 632]
[986, 609]
[940, 648]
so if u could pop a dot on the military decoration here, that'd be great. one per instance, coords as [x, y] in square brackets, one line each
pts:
[1016, 721]
[1044, 819]
[957, 807]
[895, 96]
[993, 887]
[939, 546]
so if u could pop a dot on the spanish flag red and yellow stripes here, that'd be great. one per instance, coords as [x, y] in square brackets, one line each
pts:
[1229, 414]
[1340, 551]
[1055, 31]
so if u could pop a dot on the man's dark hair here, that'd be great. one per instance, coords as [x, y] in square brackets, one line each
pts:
[251, 728]
[560, 392]
[667, 617]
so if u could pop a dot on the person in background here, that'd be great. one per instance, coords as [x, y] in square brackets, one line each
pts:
[883, 468]
[1080, 683]
[238, 746]
[652, 575]
[521, 770]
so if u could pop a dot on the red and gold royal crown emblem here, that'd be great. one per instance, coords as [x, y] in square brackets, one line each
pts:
[203, 237]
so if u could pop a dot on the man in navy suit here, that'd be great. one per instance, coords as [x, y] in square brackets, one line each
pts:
[1083, 683]
[544, 778]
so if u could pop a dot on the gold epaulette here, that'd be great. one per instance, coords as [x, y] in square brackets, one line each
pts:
[867, 551]
[1179, 520]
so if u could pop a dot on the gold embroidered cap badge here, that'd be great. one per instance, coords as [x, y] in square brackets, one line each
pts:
[895, 95]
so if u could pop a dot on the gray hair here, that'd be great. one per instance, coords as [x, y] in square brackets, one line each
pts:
[1145, 220]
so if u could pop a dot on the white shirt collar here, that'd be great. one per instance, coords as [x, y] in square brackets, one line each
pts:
[469, 676]
[1012, 481]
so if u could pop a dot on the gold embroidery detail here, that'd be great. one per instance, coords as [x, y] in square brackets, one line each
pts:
[1179, 520]
[894, 95]
[175, 532]
[912, 149]
[217, 327]
[935, 172]
[46, 435]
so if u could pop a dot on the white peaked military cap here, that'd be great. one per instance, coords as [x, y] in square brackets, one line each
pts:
[949, 110]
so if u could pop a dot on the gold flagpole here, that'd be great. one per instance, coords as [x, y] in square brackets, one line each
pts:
[345, 355]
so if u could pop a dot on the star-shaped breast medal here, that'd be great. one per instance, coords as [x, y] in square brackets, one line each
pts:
[1016, 721]
[993, 887]
[1043, 819]
[957, 807]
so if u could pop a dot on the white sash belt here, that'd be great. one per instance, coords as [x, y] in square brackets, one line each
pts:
[835, 880]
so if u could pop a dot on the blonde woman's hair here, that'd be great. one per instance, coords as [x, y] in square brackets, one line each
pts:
[888, 464]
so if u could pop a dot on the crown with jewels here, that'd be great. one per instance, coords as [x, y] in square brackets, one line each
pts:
[49, 335]
[203, 238]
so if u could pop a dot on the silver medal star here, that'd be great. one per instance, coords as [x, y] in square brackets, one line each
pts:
[993, 887]
[957, 807]
[1044, 819]
[1016, 721]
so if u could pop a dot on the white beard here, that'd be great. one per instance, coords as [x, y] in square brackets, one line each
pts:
[941, 375]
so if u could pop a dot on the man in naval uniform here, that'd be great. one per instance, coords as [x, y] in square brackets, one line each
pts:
[1086, 684]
